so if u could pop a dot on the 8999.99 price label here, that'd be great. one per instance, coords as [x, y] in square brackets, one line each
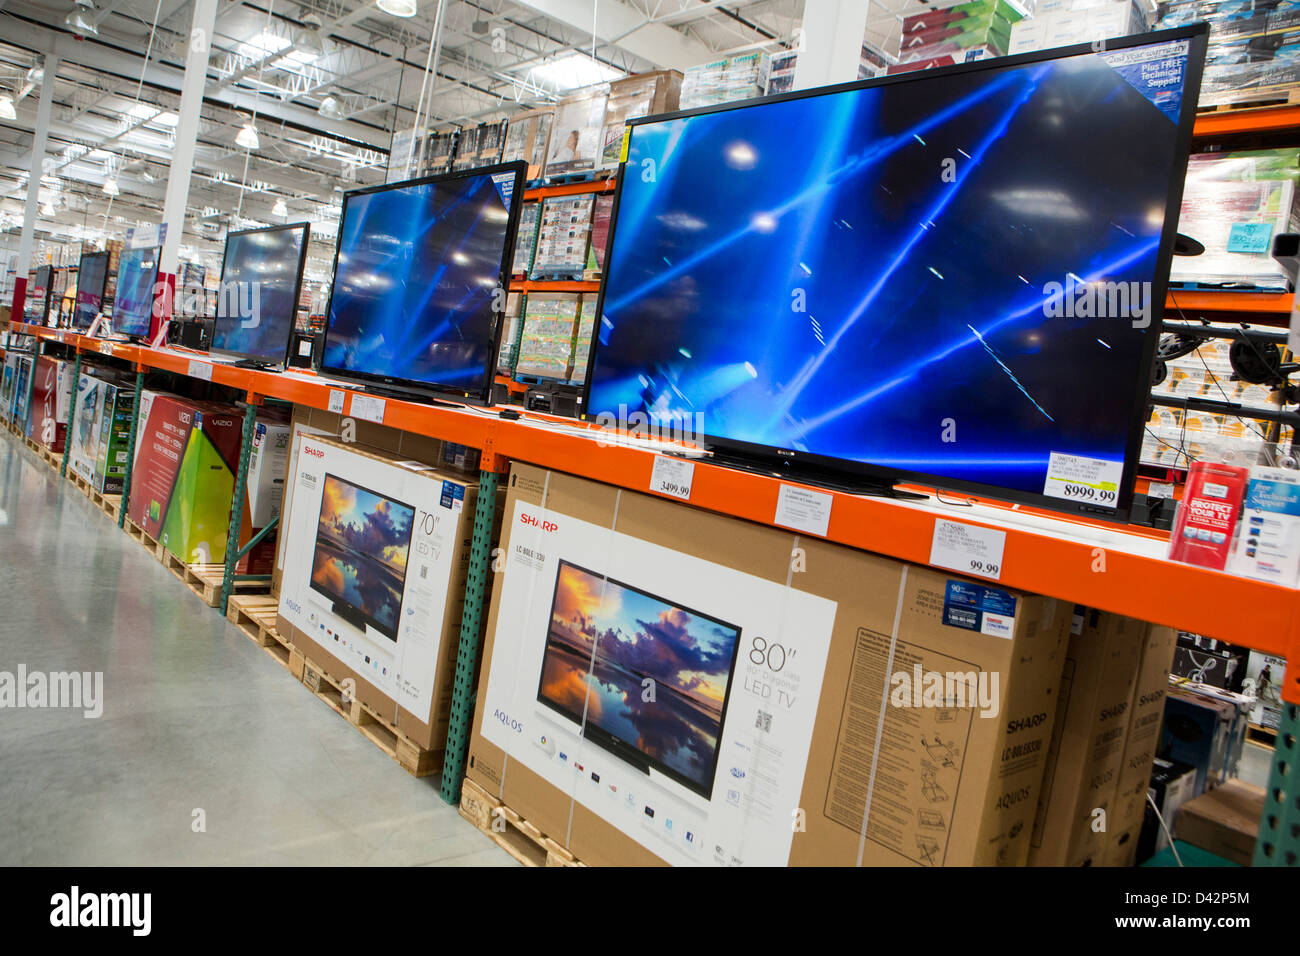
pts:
[1080, 478]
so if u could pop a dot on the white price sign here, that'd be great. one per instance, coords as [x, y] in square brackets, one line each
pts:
[336, 401]
[968, 548]
[804, 510]
[105, 348]
[672, 476]
[369, 408]
[200, 370]
[1079, 478]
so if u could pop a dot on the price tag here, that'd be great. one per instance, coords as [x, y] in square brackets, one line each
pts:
[804, 510]
[1079, 478]
[200, 370]
[672, 476]
[336, 401]
[369, 408]
[968, 548]
[105, 348]
[1160, 489]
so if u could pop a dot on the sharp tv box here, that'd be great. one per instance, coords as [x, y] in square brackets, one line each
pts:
[257, 301]
[359, 567]
[92, 275]
[606, 639]
[421, 271]
[137, 274]
[952, 278]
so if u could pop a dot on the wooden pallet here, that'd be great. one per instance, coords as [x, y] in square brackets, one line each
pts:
[1267, 736]
[375, 727]
[109, 504]
[508, 830]
[149, 542]
[255, 615]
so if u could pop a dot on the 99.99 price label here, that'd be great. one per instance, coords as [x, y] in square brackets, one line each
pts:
[968, 549]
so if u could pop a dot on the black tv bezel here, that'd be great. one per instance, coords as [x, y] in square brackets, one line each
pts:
[153, 285]
[416, 388]
[283, 361]
[810, 467]
[616, 745]
[103, 286]
[336, 599]
[49, 292]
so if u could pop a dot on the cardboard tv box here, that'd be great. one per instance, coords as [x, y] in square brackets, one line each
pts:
[1224, 821]
[1141, 742]
[373, 586]
[51, 403]
[113, 435]
[81, 456]
[267, 463]
[1087, 746]
[183, 479]
[732, 712]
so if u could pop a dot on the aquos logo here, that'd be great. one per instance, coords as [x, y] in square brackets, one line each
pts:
[535, 522]
[314, 452]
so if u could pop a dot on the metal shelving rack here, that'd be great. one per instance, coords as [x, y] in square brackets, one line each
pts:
[1045, 553]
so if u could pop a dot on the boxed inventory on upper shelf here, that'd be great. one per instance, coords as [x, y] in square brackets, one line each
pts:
[738, 77]
[1067, 25]
[957, 34]
[1254, 47]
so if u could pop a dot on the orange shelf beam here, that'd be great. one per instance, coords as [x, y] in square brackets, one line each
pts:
[1211, 301]
[1113, 568]
[1268, 119]
[572, 189]
[528, 285]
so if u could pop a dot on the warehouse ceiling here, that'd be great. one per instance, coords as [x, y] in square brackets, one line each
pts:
[325, 82]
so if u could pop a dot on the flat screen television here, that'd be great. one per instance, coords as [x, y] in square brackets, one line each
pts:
[420, 276]
[92, 275]
[37, 307]
[362, 541]
[257, 301]
[604, 639]
[137, 274]
[953, 277]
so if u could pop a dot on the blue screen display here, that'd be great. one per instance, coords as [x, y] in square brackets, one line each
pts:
[905, 276]
[257, 299]
[137, 271]
[416, 281]
[91, 275]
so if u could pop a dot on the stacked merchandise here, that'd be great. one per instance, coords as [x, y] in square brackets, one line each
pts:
[527, 137]
[1254, 50]
[479, 146]
[530, 221]
[512, 327]
[267, 464]
[958, 34]
[575, 145]
[114, 248]
[739, 77]
[563, 237]
[1205, 727]
[1234, 204]
[761, 705]
[641, 95]
[780, 79]
[1265, 675]
[51, 403]
[602, 209]
[546, 343]
[1066, 22]
[1204, 660]
[22, 388]
[440, 149]
[8, 385]
[1224, 821]
[1085, 756]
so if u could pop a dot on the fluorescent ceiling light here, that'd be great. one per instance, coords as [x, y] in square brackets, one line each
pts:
[329, 107]
[7, 107]
[247, 137]
[397, 8]
[573, 70]
[279, 209]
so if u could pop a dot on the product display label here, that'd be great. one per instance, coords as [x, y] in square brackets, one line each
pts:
[368, 407]
[201, 370]
[1079, 478]
[968, 548]
[804, 510]
[336, 401]
[672, 476]
[672, 697]
[977, 608]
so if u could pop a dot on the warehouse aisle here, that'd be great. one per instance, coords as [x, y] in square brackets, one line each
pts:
[197, 722]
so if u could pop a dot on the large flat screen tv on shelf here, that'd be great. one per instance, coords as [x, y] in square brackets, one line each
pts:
[92, 275]
[362, 543]
[257, 301]
[604, 639]
[952, 278]
[137, 274]
[420, 273]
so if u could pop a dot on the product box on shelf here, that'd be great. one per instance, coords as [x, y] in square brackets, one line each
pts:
[1198, 730]
[662, 684]
[1053, 28]
[550, 322]
[645, 94]
[1268, 534]
[183, 479]
[51, 403]
[563, 237]
[1173, 783]
[373, 587]
[267, 466]
[725, 80]
[527, 138]
[1087, 748]
[22, 386]
[84, 428]
[1224, 821]
[1141, 741]
[112, 435]
[575, 132]
[530, 220]
[1265, 675]
[1205, 660]
[7, 385]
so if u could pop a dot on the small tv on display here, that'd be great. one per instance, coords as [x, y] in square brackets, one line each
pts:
[952, 278]
[92, 275]
[257, 301]
[420, 279]
[137, 274]
[39, 283]
[604, 640]
[362, 541]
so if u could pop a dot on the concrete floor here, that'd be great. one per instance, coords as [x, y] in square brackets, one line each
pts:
[195, 717]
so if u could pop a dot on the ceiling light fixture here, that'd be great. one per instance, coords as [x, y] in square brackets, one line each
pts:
[247, 137]
[7, 110]
[330, 108]
[397, 8]
[309, 37]
[279, 209]
[81, 20]
[110, 187]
